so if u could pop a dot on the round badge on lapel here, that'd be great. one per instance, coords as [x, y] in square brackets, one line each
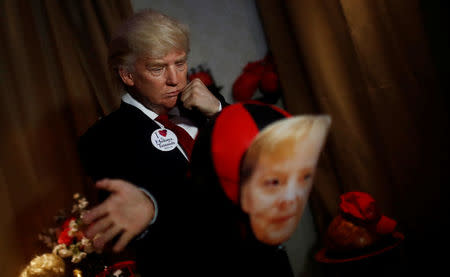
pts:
[164, 139]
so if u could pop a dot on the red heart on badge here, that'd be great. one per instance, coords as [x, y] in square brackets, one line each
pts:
[162, 132]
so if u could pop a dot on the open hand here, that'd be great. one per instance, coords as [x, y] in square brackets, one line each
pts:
[127, 211]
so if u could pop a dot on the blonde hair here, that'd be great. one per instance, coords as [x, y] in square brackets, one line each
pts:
[145, 33]
[46, 265]
[280, 137]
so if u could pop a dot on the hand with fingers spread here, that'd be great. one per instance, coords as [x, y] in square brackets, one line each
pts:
[126, 212]
[197, 95]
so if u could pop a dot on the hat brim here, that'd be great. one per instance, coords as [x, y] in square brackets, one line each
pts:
[324, 256]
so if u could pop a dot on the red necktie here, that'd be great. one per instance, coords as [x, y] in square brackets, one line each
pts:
[184, 139]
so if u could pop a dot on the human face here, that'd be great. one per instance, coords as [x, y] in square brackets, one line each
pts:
[156, 82]
[276, 193]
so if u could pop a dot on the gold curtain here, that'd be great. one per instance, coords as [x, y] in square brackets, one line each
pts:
[368, 64]
[54, 85]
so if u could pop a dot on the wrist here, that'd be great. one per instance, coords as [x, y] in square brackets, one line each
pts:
[153, 205]
[150, 209]
[217, 110]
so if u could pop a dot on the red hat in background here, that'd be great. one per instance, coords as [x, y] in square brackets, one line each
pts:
[361, 207]
[359, 231]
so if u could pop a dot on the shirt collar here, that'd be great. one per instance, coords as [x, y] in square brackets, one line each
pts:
[127, 98]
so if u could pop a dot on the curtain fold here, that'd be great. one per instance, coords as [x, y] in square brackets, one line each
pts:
[54, 85]
[368, 65]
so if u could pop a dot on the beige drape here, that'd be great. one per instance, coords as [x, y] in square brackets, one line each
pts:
[54, 84]
[367, 64]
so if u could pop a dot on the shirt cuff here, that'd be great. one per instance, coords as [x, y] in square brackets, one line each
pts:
[154, 204]
[144, 233]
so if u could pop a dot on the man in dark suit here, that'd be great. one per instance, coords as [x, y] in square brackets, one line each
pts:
[140, 162]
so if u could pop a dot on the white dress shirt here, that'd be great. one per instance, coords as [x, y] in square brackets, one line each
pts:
[174, 115]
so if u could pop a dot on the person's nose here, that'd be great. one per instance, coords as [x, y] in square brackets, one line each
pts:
[289, 196]
[171, 76]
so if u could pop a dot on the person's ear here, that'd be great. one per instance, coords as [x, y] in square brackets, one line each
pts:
[126, 76]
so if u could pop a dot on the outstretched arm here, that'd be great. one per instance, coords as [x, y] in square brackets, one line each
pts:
[126, 212]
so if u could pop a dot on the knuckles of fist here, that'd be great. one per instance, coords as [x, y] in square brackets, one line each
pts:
[197, 95]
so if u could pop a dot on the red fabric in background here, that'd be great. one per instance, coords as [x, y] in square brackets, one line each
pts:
[259, 74]
[203, 76]
[362, 206]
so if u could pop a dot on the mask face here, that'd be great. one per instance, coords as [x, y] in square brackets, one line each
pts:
[275, 194]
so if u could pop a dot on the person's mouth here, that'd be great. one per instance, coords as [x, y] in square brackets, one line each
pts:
[284, 218]
[173, 94]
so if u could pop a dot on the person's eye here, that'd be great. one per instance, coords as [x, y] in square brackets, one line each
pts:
[307, 176]
[180, 65]
[271, 182]
[156, 70]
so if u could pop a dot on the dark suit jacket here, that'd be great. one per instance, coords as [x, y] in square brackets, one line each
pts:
[119, 146]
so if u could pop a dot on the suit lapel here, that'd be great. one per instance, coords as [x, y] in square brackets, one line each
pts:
[144, 127]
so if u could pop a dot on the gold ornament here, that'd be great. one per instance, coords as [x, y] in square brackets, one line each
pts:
[77, 273]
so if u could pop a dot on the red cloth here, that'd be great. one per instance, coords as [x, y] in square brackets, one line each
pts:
[127, 268]
[184, 139]
[385, 225]
[269, 82]
[362, 207]
[245, 86]
[359, 204]
[256, 74]
[257, 67]
[203, 76]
